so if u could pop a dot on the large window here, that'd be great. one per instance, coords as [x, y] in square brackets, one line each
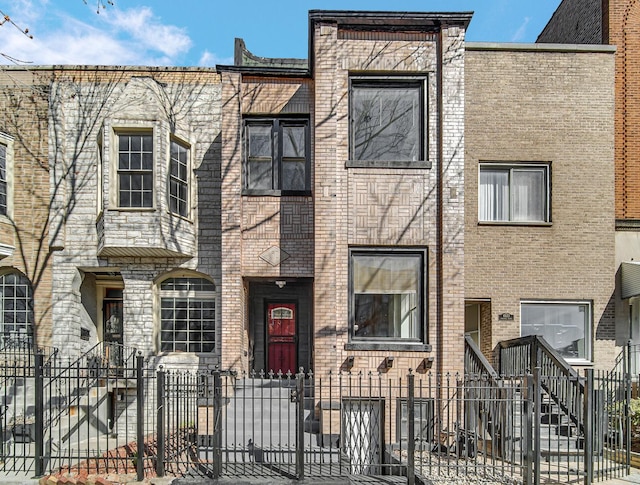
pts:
[387, 120]
[513, 193]
[565, 325]
[276, 155]
[135, 170]
[16, 312]
[187, 315]
[179, 179]
[387, 295]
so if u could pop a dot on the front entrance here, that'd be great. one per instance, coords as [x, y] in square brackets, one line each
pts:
[280, 326]
[112, 331]
[281, 337]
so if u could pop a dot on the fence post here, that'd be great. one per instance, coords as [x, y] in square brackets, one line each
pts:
[588, 426]
[537, 403]
[160, 421]
[39, 411]
[217, 424]
[527, 402]
[140, 416]
[300, 425]
[627, 409]
[411, 432]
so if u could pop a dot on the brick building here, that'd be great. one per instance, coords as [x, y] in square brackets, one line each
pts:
[617, 23]
[25, 250]
[359, 210]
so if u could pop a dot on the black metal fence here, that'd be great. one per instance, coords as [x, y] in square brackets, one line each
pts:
[114, 412]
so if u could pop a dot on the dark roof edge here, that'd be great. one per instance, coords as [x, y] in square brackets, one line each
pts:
[370, 17]
[266, 71]
[513, 46]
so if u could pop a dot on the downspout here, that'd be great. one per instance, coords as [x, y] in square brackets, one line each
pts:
[440, 208]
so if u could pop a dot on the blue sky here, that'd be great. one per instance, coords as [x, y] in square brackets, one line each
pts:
[201, 32]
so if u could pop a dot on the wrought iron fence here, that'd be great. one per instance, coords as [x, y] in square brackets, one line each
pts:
[116, 412]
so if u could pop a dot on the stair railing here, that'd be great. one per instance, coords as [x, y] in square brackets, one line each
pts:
[487, 401]
[561, 382]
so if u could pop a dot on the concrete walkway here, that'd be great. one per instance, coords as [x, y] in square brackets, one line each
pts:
[633, 477]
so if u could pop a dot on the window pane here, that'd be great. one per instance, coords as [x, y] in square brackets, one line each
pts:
[185, 317]
[528, 195]
[293, 177]
[293, 141]
[259, 175]
[386, 123]
[259, 140]
[563, 325]
[493, 197]
[386, 289]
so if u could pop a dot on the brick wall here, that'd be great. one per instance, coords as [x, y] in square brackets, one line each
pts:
[576, 22]
[358, 207]
[23, 116]
[517, 111]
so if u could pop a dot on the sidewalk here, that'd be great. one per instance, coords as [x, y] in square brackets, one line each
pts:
[633, 477]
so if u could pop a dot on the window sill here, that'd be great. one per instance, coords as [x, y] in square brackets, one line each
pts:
[418, 164]
[275, 193]
[133, 209]
[389, 346]
[178, 216]
[515, 223]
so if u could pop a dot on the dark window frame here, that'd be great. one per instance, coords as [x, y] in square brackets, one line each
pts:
[277, 158]
[191, 295]
[391, 343]
[418, 83]
[141, 172]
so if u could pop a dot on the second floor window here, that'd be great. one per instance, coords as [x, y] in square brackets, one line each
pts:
[276, 155]
[386, 120]
[513, 193]
[179, 179]
[135, 170]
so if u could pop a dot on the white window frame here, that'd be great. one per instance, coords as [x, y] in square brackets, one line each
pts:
[188, 180]
[8, 142]
[29, 324]
[510, 167]
[588, 355]
[123, 128]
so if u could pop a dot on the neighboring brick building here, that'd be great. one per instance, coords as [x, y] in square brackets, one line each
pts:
[25, 252]
[360, 210]
[617, 23]
[540, 118]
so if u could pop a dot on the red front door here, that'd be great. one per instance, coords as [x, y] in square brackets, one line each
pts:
[281, 337]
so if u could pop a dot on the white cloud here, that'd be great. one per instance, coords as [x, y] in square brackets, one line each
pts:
[115, 37]
[145, 28]
[209, 59]
[522, 31]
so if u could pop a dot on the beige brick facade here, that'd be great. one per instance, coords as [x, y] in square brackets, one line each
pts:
[517, 112]
[24, 232]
